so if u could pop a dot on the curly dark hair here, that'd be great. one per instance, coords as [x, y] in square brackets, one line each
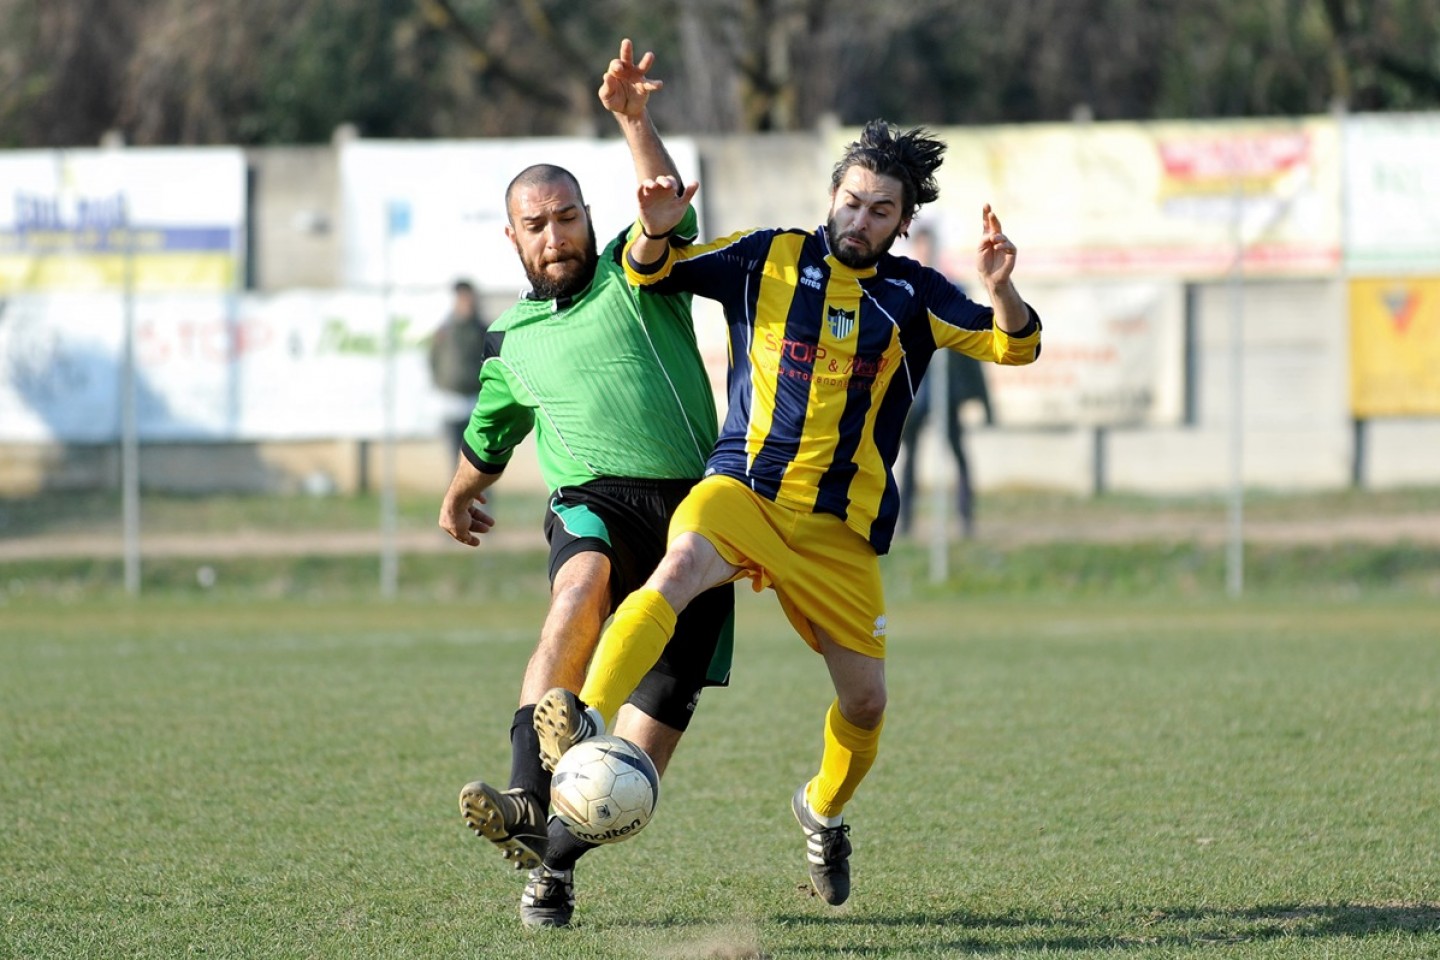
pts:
[910, 156]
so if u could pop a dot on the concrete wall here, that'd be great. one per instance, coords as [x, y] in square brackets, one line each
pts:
[295, 213]
[762, 181]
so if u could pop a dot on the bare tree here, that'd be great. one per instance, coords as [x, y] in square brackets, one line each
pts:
[61, 68]
[1380, 52]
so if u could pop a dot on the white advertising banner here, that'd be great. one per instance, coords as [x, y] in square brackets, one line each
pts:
[210, 367]
[1144, 200]
[427, 213]
[316, 366]
[80, 219]
[1392, 194]
[1113, 354]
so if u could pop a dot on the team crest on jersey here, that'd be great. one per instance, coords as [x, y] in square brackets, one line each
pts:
[841, 322]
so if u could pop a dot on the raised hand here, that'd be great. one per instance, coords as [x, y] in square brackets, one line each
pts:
[625, 89]
[995, 258]
[662, 203]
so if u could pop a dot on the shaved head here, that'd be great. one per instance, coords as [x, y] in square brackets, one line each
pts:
[541, 175]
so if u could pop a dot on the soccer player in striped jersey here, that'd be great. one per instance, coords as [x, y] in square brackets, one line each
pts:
[830, 335]
[612, 384]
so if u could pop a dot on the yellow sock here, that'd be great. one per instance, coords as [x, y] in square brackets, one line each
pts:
[849, 753]
[628, 648]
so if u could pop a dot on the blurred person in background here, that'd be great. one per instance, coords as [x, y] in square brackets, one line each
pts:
[457, 349]
[611, 381]
[964, 381]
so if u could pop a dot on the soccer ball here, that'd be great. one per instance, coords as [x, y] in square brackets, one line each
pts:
[604, 789]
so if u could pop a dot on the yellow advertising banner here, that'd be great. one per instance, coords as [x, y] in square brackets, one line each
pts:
[1116, 200]
[1395, 347]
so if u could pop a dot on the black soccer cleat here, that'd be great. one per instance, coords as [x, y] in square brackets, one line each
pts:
[827, 849]
[510, 819]
[549, 898]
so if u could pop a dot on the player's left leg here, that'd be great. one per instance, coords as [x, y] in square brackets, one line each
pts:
[832, 594]
[513, 819]
[852, 725]
[852, 740]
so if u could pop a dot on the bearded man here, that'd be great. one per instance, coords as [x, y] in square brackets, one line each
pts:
[610, 380]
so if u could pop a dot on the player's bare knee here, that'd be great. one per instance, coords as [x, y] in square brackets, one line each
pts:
[864, 708]
[691, 565]
[576, 597]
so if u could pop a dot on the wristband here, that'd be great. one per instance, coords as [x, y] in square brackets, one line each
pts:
[655, 236]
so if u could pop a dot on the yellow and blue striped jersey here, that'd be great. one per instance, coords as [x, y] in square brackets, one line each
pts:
[825, 362]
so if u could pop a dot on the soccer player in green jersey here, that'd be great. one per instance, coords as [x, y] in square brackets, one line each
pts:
[830, 335]
[611, 381]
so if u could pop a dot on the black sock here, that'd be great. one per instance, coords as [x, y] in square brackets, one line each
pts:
[564, 848]
[525, 769]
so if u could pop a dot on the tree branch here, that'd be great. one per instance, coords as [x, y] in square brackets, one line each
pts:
[444, 16]
[1416, 77]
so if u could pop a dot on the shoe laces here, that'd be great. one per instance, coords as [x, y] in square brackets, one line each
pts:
[834, 841]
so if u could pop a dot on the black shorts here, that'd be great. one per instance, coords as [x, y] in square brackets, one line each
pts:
[627, 520]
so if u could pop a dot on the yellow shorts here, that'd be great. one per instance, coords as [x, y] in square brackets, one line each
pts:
[825, 574]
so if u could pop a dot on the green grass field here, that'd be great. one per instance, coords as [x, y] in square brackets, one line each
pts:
[241, 776]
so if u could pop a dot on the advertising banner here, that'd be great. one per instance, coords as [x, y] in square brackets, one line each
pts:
[1392, 194]
[170, 219]
[1395, 347]
[1114, 355]
[424, 214]
[300, 365]
[1147, 200]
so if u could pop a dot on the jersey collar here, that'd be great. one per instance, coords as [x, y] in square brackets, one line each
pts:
[562, 303]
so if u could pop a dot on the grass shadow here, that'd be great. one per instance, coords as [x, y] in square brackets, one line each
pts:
[1164, 927]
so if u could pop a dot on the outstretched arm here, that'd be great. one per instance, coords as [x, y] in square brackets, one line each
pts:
[995, 261]
[625, 91]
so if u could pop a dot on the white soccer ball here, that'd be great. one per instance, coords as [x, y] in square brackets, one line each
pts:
[604, 789]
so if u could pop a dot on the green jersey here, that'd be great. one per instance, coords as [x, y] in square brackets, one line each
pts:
[610, 380]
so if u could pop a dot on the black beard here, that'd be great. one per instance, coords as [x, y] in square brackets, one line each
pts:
[857, 261]
[543, 287]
